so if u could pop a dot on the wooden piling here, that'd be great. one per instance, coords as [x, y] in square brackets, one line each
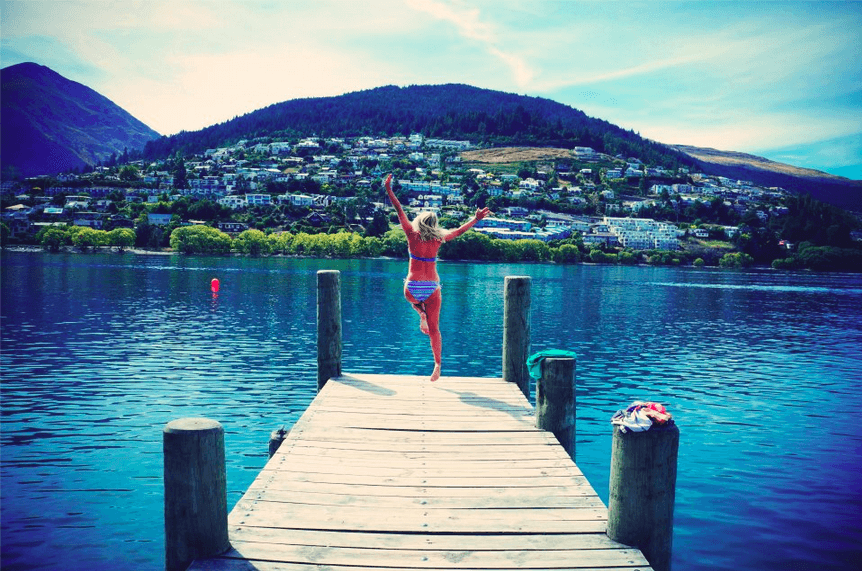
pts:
[195, 491]
[642, 491]
[556, 401]
[516, 331]
[328, 326]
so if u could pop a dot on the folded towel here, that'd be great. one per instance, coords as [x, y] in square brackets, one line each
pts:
[534, 362]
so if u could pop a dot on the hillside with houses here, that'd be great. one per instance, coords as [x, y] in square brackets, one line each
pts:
[312, 185]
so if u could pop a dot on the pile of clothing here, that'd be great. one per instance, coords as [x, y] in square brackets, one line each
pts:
[641, 416]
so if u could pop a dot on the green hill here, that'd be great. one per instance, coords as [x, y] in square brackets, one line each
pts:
[453, 111]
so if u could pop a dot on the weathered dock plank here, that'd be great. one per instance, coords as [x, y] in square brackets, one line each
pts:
[394, 472]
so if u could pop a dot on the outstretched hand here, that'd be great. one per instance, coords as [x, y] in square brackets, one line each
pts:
[387, 182]
[482, 213]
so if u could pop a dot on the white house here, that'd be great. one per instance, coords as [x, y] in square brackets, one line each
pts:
[584, 152]
[297, 199]
[514, 225]
[233, 201]
[529, 184]
[427, 201]
[258, 199]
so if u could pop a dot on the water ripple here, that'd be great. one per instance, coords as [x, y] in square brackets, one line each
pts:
[99, 352]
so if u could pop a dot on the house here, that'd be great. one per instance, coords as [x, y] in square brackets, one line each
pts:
[529, 184]
[495, 189]
[232, 226]
[233, 201]
[317, 219]
[585, 153]
[92, 220]
[118, 221]
[507, 234]
[513, 225]
[605, 238]
[428, 201]
[159, 219]
[297, 199]
[258, 199]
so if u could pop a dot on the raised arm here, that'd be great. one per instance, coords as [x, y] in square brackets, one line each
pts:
[405, 223]
[480, 214]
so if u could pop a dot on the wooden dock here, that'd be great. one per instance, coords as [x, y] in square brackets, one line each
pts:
[393, 472]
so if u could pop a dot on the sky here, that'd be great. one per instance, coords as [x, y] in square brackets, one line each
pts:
[782, 80]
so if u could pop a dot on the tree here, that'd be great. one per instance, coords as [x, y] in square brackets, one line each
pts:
[85, 238]
[129, 173]
[379, 224]
[53, 238]
[200, 240]
[180, 175]
[566, 253]
[121, 238]
[735, 260]
[253, 242]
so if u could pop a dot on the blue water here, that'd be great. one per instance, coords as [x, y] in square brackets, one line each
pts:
[762, 371]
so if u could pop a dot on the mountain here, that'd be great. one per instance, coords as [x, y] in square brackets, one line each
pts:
[51, 124]
[452, 111]
[835, 190]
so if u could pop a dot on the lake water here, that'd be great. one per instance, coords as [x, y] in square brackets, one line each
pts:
[760, 369]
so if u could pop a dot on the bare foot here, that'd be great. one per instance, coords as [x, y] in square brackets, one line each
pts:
[436, 374]
[423, 323]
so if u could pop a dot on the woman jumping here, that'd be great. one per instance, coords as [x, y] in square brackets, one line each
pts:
[422, 286]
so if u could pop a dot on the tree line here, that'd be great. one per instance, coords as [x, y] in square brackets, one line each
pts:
[200, 239]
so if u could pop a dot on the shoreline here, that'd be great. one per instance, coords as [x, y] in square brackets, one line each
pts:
[73, 250]
[24, 248]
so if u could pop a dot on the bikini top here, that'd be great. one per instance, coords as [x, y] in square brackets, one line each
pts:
[421, 259]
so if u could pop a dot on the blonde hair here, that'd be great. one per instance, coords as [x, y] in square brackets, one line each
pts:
[425, 224]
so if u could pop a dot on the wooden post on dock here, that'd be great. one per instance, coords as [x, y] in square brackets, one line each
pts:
[516, 331]
[195, 491]
[556, 402]
[328, 326]
[642, 491]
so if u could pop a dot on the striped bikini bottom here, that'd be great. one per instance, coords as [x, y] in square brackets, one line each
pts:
[422, 290]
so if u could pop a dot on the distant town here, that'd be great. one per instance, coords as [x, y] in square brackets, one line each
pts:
[316, 185]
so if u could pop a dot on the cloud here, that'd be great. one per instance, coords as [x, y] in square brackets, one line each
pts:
[466, 20]
[469, 24]
[731, 75]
